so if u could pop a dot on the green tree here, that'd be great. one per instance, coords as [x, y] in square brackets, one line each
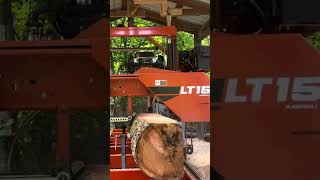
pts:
[315, 39]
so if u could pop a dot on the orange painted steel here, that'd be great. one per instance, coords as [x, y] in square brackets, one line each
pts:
[143, 83]
[267, 139]
[143, 31]
[126, 174]
[115, 161]
[60, 75]
[127, 85]
[48, 75]
[119, 144]
[117, 150]
[135, 174]
[117, 139]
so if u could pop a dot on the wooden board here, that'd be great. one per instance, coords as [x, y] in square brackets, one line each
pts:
[157, 146]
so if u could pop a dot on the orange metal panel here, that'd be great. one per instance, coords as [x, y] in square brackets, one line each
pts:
[177, 90]
[53, 74]
[118, 139]
[143, 31]
[119, 143]
[274, 136]
[115, 161]
[191, 105]
[117, 132]
[126, 174]
[127, 86]
[117, 150]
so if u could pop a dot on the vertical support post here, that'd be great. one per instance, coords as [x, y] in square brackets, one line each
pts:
[197, 47]
[150, 104]
[217, 21]
[175, 57]
[183, 124]
[129, 105]
[6, 21]
[63, 139]
[170, 58]
[200, 130]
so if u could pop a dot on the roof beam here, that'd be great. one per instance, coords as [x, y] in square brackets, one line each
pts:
[205, 30]
[124, 4]
[181, 25]
[149, 1]
[195, 5]
[132, 8]
[123, 13]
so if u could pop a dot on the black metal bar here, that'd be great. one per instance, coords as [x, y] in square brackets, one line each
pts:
[123, 148]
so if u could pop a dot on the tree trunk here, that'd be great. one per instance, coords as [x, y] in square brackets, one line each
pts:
[6, 33]
[6, 21]
[157, 146]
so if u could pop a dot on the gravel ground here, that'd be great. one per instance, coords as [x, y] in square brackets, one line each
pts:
[200, 159]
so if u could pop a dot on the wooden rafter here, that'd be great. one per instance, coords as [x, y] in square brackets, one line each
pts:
[181, 25]
[195, 5]
[149, 1]
[164, 8]
[156, 43]
[124, 4]
[205, 29]
[123, 13]
[198, 8]
[132, 8]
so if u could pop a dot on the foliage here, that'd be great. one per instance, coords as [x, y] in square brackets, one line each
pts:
[315, 40]
[21, 13]
[206, 41]
[119, 59]
[5, 126]
[24, 12]
[185, 41]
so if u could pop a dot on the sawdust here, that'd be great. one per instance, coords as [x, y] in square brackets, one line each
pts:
[200, 158]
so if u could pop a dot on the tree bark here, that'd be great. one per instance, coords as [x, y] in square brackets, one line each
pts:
[6, 21]
[6, 33]
[157, 146]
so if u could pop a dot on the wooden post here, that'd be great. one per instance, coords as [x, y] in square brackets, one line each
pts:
[197, 47]
[175, 55]
[129, 105]
[200, 130]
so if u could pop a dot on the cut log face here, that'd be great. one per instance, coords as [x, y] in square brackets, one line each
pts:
[157, 146]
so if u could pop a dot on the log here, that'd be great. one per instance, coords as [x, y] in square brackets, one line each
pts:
[157, 146]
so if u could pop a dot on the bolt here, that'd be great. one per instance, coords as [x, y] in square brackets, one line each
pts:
[91, 80]
[15, 86]
[44, 95]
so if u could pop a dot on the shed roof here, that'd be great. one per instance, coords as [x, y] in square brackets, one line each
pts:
[195, 18]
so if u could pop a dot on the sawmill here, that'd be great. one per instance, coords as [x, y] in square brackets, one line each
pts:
[152, 143]
[71, 75]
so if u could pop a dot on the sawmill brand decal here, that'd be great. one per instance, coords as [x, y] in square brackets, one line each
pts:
[296, 92]
[168, 92]
[200, 90]
[160, 82]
